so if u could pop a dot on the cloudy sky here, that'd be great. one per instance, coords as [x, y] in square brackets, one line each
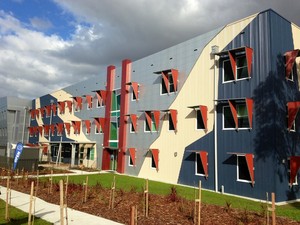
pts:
[46, 45]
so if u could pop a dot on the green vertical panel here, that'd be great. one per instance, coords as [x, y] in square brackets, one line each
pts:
[113, 101]
[113, 131]
[92, 153]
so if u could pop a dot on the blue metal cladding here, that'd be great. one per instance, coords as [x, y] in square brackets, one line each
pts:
[270, 36]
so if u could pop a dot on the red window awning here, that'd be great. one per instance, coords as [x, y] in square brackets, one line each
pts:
[250, 163]
[69, 105]
[54, 107]
[132, 155]
[78, 103]
[89, 100]
[204, 160]
[290, 58]
[68, 128]
[42, 111]
[76, 126]
[174, 74]
[155, 154]
[233, 109]
[203, 110]
[133, 119]
[48, 110]
[59, 127]
[135, 89]
[101, 96]
[100, 123]
[52, 128]
[294, 167]
[156, 116]
[37, 113]
[46, 129]
[165, 76]
[32, 114]
[173, 113]
[31, 131]
[293, 108]
[61, 106]
[88, 126]
[166, 80]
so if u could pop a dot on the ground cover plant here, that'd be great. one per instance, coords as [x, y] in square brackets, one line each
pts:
[168, 204]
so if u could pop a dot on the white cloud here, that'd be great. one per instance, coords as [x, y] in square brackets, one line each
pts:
[40, 24]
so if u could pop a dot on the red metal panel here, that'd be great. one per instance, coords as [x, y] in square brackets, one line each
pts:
[52, 128]
[232, 62]
[59, 127]
[46, 129]
[175, 78]
[250, 164]
[135, 88]
[69, 104]
[148, 119]
[173, 113]
[40, 128]
[68, 128]
[156, 114]
[48, 110]
[249, 104]
[53, 107]
[203, 110]
[106, 131]
[78, 101]
[89, 99]
[76, 126]
[294, 167]
[166, 80]
[132, 155]
[42, 110]
[290, 58]
[203, 157]
[133, 118]
[32, 114]
[155, 154]
[31, 131]
[249, 52]
[126, 72]
[232, 106]
[88, 126]
[103, 96]
[293, 108]
[61, 106]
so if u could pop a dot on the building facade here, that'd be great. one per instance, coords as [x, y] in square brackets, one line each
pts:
[220, 108]
[14, 121]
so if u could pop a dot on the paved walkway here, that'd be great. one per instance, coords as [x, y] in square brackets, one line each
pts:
[51, 212]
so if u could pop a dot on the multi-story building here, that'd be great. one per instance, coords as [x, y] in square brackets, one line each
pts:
[220, 108]
[14, 121]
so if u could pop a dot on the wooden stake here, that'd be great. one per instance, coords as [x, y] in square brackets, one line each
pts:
[133, 216]
[17, 176]
[67, 183]
[273, 209]
[199, 203]
[112, 194]
[30, 203]
[7, 199]
[61, 191]
[268, 219]
[37, 183]
[146, 193]
[51, 182]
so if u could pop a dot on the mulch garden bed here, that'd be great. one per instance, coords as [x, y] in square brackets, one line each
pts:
[163, 210]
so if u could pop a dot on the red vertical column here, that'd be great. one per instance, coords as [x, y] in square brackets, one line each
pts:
[109, 88]
[126, 67]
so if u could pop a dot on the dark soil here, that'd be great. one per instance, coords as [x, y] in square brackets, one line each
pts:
[162, 209]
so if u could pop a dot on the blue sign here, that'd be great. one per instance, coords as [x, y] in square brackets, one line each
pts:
[18, 152]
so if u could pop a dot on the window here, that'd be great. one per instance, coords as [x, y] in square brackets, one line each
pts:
[150, 122]
[132, 130]
[199, 121]
[290, 63]
[153, 165]
[98, 130]
[295, 179]
[241, 116]
[236, 64]
[130, 161]
[294, 166]
[90, 153]
[199, 166]
[242, 169]
[171, 123]
[100, 103]
[169, 85]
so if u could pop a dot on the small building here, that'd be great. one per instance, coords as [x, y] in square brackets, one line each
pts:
[14, 121]
[221, 108]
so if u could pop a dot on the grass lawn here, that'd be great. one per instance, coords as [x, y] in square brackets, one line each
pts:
[17, 216]
[127, 183]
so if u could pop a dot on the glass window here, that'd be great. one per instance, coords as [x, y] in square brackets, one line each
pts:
[242, 116]
[153, 125]
[199, 120]
[227, 71]
[171, 124]
[130, 162]
[199, 166]
[242, 169]
[153, 166]
[241, 67]
[164, 89]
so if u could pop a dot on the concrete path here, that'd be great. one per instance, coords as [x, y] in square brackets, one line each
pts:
[51, 212]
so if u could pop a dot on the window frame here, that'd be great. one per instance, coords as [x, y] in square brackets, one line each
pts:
[153, 125]
[233, 128]
[152, 163]
[199, 117]
[198, 158]
[238, 170]
[130, 161]
[163, 88]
